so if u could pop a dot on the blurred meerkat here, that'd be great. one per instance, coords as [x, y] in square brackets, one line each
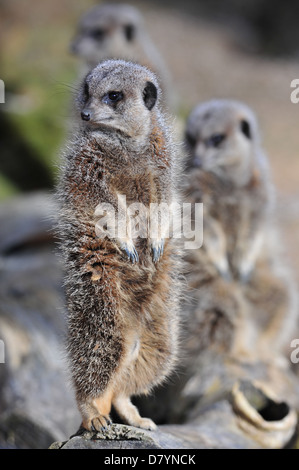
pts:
[122, 292]
[242, 296]
[117, 31]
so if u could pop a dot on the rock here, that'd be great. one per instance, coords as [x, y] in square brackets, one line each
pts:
[27, 221]
[166, 437]
[210, 377]
[118, 436]
[269, 422]
[216, 428]
[210, 382]
[36, 404]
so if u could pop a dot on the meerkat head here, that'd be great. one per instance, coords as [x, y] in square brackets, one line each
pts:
[119, 97]
[108, 31]
[222, 137]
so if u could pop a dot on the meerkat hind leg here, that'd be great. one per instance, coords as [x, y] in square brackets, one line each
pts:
[129, 413]
[95, 412]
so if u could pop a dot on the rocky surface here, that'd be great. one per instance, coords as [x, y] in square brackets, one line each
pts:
[36, 403]
[213, 432]
[217, 427]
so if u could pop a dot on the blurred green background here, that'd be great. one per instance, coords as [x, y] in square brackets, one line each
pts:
[37, 70]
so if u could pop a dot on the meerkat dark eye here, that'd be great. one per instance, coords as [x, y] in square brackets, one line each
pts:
[215, 140]
[190, 140]
[129, 31]
[245, 128]
[97, 34]
[150, 95]
[113, 97]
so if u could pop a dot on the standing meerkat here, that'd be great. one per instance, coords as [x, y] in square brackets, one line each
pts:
[122, 292]
[117, 31]
[242, 295]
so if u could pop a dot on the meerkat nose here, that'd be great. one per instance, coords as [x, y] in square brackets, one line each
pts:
[197, 162]
[85, 115]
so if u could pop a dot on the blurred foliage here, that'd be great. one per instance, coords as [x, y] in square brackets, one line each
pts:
[7, 188]
[39, 75]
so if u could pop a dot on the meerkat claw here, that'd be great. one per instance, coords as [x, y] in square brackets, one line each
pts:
[226, 275]
[245, 277]
[100, 423]
[157, 250]
[131, 252]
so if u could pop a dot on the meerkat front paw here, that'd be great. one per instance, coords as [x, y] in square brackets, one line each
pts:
[130, 250]
[223, 269]
[157, 249]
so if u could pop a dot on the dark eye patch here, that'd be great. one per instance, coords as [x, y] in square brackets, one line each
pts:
[190, 139]
[97, 34]
[215, 140]
[245, 128]
[129, 31]
[86, 91]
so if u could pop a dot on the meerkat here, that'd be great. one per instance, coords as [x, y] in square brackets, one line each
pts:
[117, 31]
[241, 295]
[121, 291]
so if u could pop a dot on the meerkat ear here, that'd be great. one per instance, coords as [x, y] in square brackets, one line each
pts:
[190, 139]
[245, 128]
[150, 95]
